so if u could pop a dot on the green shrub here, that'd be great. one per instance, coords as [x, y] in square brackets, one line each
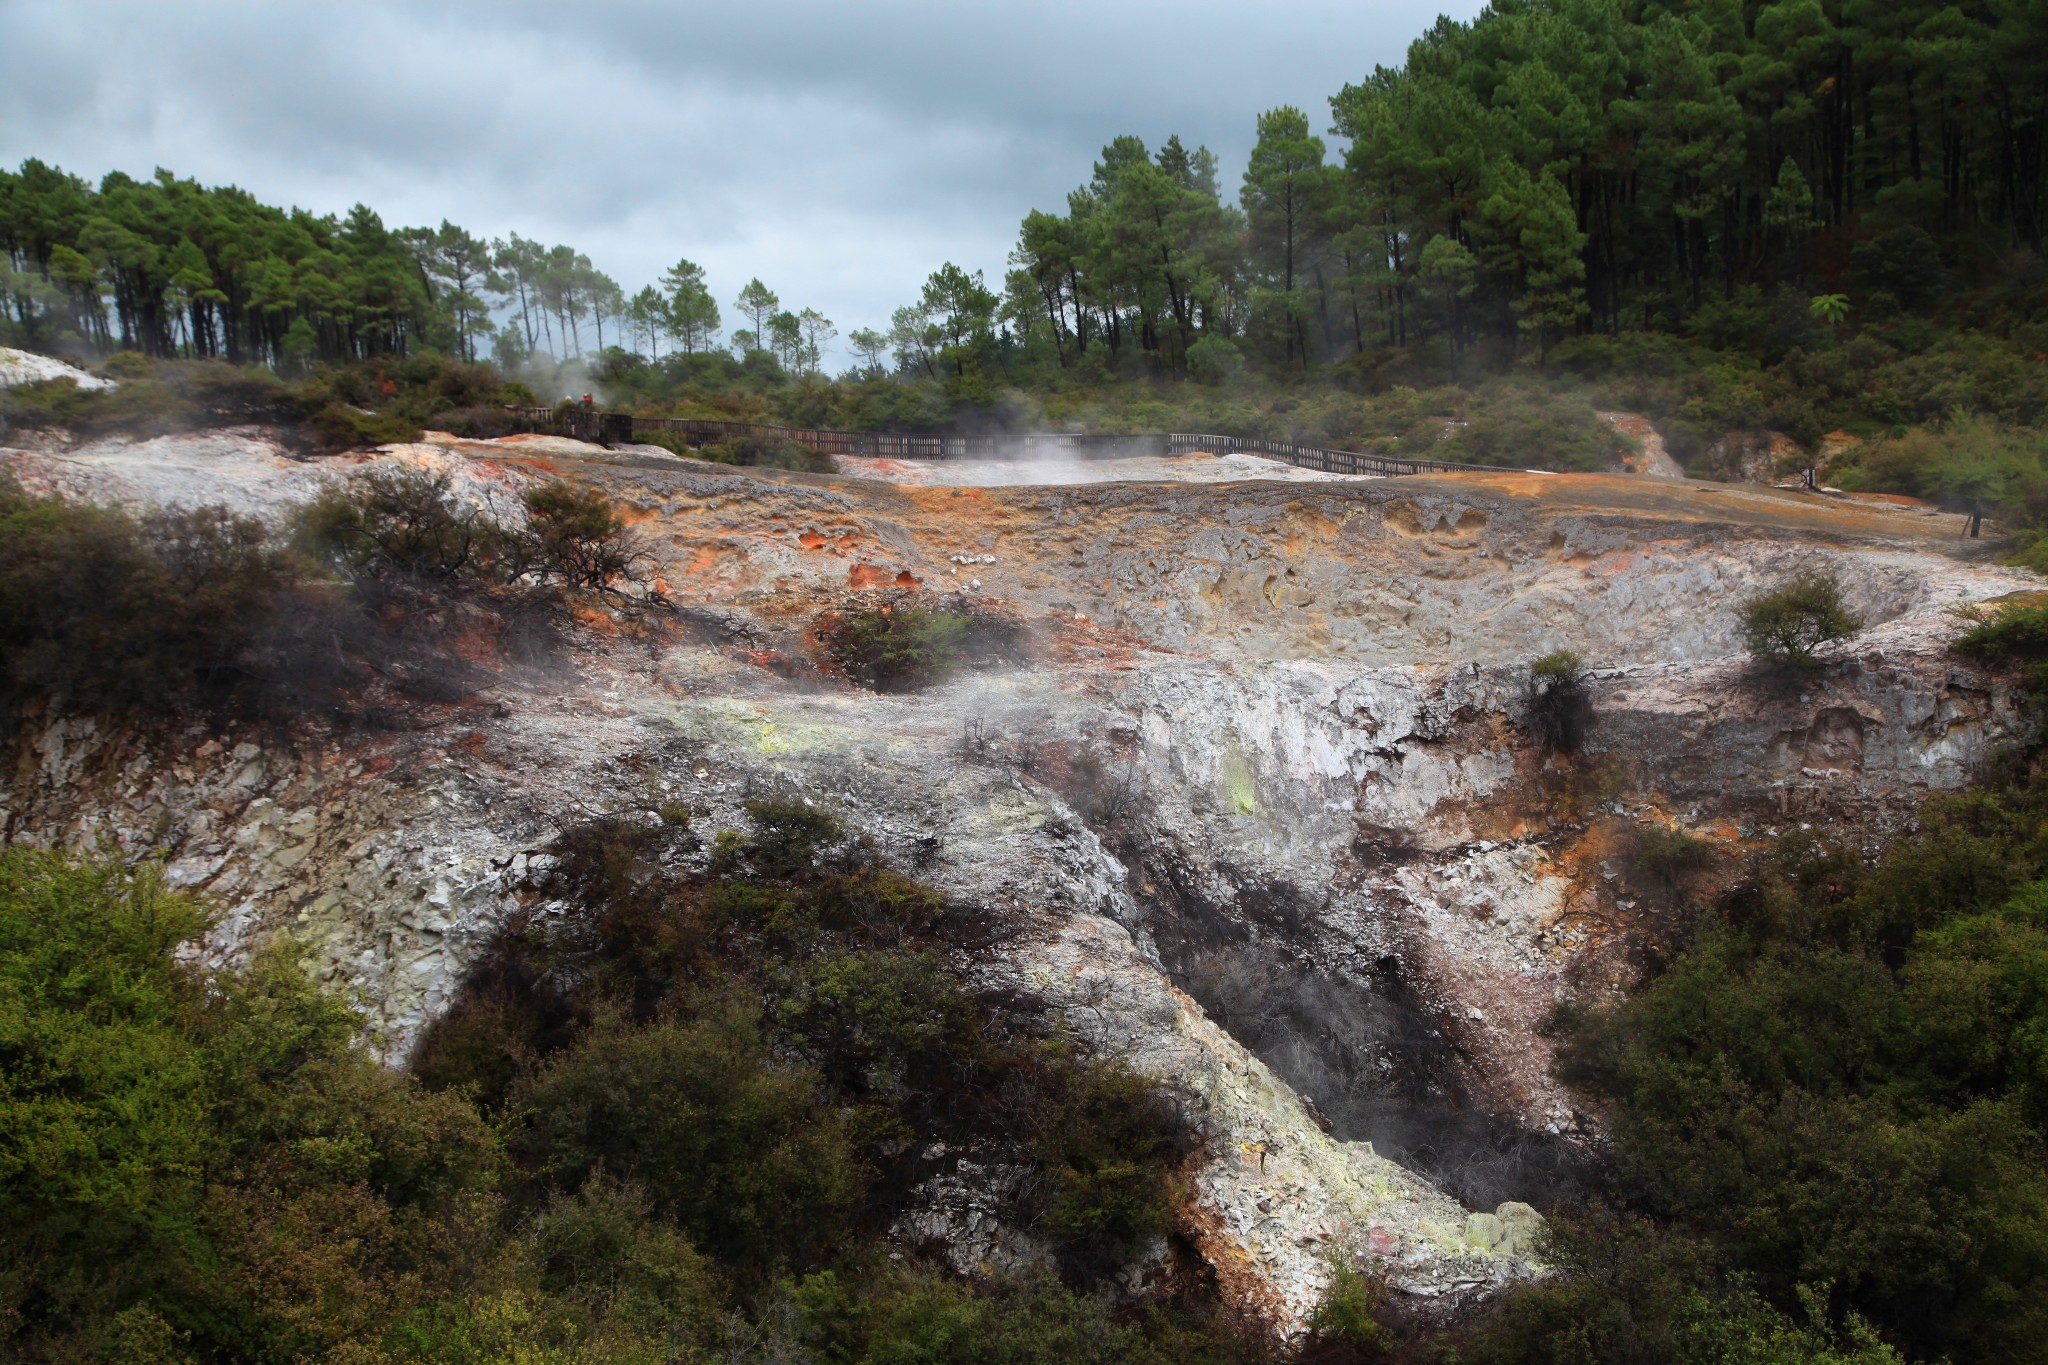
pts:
[873, 1020]
[914, 1313]
[1782, 627]
[727, 1139]
[672, 442]
[154, 398]
[2015, 630]
[576, 537]
[831, 975]
[409, 524]
[342, 427]
[1857, 1042]
[1102, 1136]
[1523, 428]
[205, 1163]
[100, 610]
[2016, 633]
[605, 1248]
[1214, 360]
[104, 611]
[480, 422]
[1666, 860]
[788, 834]
[1964, 466]
[1627, 1291]
[1559, 711]
[138, 407]
[406, 522]
[899, 647]
[367, 403]
[1349, 1323]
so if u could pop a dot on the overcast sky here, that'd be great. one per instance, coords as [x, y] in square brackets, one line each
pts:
[841, 152]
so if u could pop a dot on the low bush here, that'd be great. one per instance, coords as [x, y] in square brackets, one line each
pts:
[1559, 711]
[482, 422]
[784, 1002]
[1965, 465]
[207, 1167]
[100, 610]
[1099, 1138]
[1665, 861]
[788, 837]
[206, 1162]
[735, 1146]
[902, 647]
[1349, 1324]
[338, 426]
[1855, 1041]
[405, 522]
[1782, 627]
[2014, 633]
[912, 1312]
[1529, 428]
[575, 536]
[156, 397]
[1625, 1290]
[363, 404]
[411, 524]
[670, 441]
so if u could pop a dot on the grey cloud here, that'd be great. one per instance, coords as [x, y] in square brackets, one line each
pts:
[839, 152]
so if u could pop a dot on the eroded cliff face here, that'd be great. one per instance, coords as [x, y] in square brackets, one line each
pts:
[1258, 811]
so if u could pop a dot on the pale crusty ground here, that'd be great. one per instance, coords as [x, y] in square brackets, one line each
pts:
[1225, 467]
[26, 367]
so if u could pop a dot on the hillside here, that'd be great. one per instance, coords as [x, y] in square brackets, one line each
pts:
[1246, 790]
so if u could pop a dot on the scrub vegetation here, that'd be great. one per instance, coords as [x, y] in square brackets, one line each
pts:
[672, 1122]
[387, 591]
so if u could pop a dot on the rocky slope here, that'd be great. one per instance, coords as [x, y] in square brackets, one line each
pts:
[1256, 804]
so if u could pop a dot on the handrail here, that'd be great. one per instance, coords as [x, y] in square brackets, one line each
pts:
[589, 424]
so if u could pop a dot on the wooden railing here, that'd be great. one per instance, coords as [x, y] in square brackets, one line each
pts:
[1317, 457]
[613, 428]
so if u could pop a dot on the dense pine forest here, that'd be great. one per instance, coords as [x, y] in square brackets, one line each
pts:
[1555, 170]
[1800, 218]
[1797, 217]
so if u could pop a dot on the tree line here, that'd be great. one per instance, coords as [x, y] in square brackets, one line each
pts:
[1565, 166]
[1551, 169]
[172, 268]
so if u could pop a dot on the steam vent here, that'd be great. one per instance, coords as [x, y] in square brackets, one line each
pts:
[1232, 771]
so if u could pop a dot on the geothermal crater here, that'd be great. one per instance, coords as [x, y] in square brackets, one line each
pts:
[1256, 795]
